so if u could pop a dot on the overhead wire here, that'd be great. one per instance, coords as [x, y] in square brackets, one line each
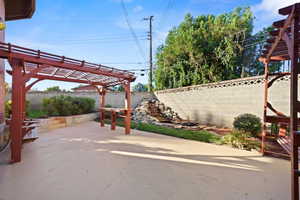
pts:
[101, 42]
[164, 13]
[103, 38]
[125, 12]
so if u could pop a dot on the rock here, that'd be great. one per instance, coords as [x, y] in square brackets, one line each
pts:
[151, 110]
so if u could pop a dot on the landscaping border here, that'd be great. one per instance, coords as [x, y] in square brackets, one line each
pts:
[52, 123]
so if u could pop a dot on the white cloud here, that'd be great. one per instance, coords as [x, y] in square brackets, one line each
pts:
[272, 6]
[266, 12]
[138, 8]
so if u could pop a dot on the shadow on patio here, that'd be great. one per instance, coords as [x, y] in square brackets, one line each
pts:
[89, 161]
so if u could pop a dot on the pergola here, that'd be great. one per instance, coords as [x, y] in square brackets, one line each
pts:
[30, 64]
[283, 45]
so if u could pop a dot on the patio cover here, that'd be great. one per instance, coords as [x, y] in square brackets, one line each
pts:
[28, 63]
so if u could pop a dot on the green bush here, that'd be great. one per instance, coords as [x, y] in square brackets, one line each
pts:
[274, 129]
[241, 140]
[34, 114]
[248, 123]
[8, 105]
[67, 105]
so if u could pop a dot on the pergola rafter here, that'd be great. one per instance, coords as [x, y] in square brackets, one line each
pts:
[284, 44]
[30, 64]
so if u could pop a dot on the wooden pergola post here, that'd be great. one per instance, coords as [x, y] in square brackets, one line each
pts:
[113, 120]
[102, 105]
[127, 107]
[294, 105]
[264, 131]
[18, 111]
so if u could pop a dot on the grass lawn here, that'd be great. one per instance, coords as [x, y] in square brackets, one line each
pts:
[34, 114]
[203, 136]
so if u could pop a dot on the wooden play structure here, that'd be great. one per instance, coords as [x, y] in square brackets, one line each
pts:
[284, 45]
[28, 64]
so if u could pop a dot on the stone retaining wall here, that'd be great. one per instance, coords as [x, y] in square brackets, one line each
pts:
[52, 123]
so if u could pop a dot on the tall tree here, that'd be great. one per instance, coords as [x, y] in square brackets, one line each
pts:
[252, 50]
[140, 88]
[54, 89]
[203, 49]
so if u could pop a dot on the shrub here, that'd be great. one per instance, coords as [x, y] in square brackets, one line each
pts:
[241, 140]
[34, 114]
[274, 129]
[8, 105]
[67, 105]
[248, 123]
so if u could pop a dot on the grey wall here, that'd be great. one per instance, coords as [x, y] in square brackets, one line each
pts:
[219, 103]
[115, 99]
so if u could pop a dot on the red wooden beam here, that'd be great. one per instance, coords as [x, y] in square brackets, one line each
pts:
[45, 77]
[279, 24]
[33, 59]
[287, 10]
[280, 34]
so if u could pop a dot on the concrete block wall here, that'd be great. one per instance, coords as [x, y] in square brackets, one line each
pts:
[115, 99]
[219, 103]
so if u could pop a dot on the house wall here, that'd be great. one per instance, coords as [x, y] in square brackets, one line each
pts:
[219, 103]
[2, 66]
[115, 99]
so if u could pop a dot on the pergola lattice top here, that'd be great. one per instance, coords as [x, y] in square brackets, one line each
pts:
[42, 65]
[277, 49]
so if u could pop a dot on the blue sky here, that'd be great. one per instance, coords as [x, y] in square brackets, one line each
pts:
[96, 30]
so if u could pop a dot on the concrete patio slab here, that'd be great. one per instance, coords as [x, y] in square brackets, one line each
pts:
[93, 163]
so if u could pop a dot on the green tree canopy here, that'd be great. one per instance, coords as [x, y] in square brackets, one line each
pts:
[140, 88]
[203, 49]
[54, 89]
[118, 88]
[253, 48]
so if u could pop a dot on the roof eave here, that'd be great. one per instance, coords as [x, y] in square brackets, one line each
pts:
[19, 9]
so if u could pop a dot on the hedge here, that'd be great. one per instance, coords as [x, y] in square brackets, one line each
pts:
[67, 105]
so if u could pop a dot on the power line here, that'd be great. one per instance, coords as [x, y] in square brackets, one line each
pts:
[164, 14]
[131, 30]
[102, 42]
[103, 38]
[150, 19]
[62, 36]
[126, 63]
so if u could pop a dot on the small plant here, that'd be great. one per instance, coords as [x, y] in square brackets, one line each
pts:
[274, 129]
[241, 140]
[248, 123]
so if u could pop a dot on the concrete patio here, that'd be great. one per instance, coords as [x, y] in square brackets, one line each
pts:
[93, 163]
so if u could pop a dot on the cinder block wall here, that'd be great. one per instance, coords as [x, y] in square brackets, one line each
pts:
[115, 99]
[219, 103]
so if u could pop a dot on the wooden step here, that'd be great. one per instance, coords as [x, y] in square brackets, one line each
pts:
[285, 143]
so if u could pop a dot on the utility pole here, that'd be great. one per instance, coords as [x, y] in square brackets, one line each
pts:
[150, 88]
